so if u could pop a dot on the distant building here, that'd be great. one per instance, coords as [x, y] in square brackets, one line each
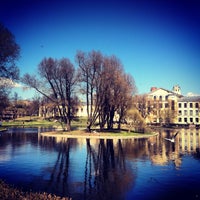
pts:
[170, 107]
[188, 110]
[50, 110]
[81, 110]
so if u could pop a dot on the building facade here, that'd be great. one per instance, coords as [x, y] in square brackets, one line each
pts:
[170, 107]
[188, 110]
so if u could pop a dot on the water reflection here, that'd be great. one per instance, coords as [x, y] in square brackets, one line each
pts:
[105, 174]
[107, 171]
[162, 151]
[92, 168]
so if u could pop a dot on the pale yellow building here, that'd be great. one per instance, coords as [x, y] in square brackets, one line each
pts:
[170, 107]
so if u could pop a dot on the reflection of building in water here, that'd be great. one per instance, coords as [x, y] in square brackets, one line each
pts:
[189, 140]
[162, 151]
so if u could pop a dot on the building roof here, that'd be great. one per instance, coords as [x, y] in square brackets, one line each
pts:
[189, 99]
[167, 91]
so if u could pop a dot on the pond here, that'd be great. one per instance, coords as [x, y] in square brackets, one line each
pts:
[153, 168]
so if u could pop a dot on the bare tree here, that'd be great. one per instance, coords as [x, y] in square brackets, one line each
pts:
[117, 91]
[56, 82]
[34, 106]
[90, 71]
[127, 90]
[142, 104]
[111, 74]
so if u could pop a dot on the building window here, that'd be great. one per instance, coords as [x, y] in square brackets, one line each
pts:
[191, 112]
[179, 112]
[179, 105]
[154, 97]
[191, 105]
[166, 105]
[196, 105]
[160, 98]
[160, 105]
[185, 112]
[173, 104]
[197, 113]
[197, 120]
[180, 119]
[191, 120]
[185, 105]
[185, 120]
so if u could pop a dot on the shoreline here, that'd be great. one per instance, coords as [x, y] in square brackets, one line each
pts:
[10, 192]
[96, 135]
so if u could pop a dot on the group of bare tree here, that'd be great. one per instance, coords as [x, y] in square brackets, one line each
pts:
[108, 89]
[102, 79]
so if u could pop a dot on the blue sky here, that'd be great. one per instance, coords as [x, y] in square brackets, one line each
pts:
[158, 41]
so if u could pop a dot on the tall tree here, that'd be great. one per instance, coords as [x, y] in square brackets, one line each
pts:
[9, 53]
[56, 82]
[117, 91]
[90, 65]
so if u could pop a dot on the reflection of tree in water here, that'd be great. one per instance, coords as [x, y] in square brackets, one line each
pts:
[59, 173]
[58, 182]
[106, 176]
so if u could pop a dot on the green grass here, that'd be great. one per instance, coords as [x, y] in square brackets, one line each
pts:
[37, 121]
[78, 126]
[29, 122]
[79, 122]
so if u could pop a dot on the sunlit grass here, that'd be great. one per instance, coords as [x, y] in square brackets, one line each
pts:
[78, 127]
[29, 122]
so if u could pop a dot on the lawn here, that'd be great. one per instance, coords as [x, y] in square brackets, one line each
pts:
[78, 127]
[29, 122]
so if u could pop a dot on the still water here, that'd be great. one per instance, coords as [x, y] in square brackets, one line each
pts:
[153, 168]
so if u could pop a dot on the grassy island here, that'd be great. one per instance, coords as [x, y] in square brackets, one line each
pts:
[78, 129]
